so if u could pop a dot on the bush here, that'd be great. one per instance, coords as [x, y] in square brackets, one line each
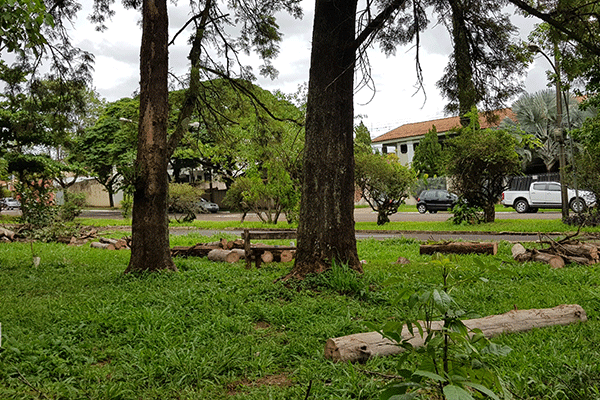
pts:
[74, 203]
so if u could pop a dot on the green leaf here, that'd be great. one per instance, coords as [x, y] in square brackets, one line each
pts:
[452, 392]
[482, 389]
[430, 375]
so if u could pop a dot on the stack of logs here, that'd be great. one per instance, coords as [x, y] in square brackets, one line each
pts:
[559, 253]
[230, 251]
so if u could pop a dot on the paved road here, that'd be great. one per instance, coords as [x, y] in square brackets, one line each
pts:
[367, 215]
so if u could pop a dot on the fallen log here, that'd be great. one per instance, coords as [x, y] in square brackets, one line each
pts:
[223, 256]
[362, 346]
[460, 248]
[100, 245]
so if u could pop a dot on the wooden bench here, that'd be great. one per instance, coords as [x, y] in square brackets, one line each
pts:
[255, 253]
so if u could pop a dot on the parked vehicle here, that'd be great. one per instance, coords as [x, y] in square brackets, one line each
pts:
[435, 200]
[206, 206]
[546, 195]
[9, 203]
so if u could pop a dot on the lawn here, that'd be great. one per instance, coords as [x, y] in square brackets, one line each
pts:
[76, 328]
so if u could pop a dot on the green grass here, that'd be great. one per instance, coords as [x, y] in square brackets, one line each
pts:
[76, 328]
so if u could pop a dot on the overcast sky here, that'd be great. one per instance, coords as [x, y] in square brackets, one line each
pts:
[390, 103]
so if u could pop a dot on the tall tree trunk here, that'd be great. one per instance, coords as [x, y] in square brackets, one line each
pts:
[467, 96]
[326, 227]
[150, 227]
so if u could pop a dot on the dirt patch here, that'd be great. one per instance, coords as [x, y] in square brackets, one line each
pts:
[262, 325]
[244, 384]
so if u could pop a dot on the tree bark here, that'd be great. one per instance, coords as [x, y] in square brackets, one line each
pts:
[467, 96]
[149, 230]
[326, 226]
[362, 346]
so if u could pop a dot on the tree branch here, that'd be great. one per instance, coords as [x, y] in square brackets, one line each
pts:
[375, 25]
[546, 17]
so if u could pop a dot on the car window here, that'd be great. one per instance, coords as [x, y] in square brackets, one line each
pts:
[555, 187]
[539, 186]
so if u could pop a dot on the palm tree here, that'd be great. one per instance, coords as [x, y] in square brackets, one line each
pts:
[536, 116]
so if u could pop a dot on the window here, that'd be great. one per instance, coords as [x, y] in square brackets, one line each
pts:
[539, 186]
[555, 187]
[403, 148]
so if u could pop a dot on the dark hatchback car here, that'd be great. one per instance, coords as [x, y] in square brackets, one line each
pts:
[435, 200]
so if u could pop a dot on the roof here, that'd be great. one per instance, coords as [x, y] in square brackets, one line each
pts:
[442, 125]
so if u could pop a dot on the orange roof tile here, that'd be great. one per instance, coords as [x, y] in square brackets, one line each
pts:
[442, 125]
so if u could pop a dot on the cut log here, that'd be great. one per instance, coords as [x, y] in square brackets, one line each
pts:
[7, 234]
[460, 248]
[521, 254]
[362, 346]
[223, 256]
[240, 252]
[105, 246]
[284, 255]
[518, 250]
[266, 257]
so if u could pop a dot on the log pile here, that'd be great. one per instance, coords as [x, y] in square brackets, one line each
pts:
[560, 252]
[232, 251]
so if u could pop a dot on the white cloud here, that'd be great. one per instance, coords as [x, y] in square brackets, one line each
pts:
[394, 101]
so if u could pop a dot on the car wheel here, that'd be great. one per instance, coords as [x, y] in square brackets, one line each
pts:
[521, 206]
[422, 208]
[577, 205]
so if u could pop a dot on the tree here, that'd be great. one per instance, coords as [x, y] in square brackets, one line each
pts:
[536, 116]
[479, 160]
[429, 156]
[485, 67]
[258, 31]
[150, 248]
[268, 191]
[384, 183]
[107, 149]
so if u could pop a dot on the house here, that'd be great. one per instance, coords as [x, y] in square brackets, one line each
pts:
[404, 139]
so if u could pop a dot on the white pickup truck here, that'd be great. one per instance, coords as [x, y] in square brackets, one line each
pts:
[546, 195]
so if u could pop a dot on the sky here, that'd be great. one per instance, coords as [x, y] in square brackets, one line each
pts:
[391, 101]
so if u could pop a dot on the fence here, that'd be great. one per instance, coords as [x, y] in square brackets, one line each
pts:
[523, 182]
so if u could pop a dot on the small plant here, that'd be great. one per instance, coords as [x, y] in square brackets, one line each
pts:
[463, 213]
[452, 365]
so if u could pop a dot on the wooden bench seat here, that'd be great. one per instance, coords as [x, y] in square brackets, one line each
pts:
[255, 252]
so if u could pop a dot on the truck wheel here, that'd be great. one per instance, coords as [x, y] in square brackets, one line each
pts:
[521, 206]
[577, 205]
[422, 208]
